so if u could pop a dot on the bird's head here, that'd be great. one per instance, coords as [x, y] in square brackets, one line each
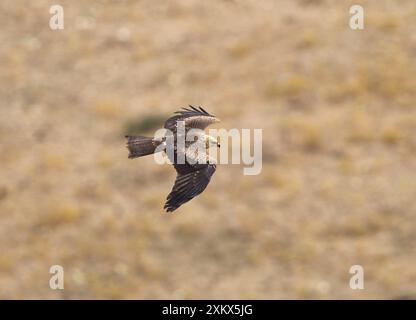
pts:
[212, 142]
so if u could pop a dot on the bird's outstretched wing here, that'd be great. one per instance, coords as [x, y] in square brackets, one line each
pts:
[190, 182]
[193, 117]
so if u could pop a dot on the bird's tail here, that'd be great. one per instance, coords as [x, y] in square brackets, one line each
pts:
[140, 146]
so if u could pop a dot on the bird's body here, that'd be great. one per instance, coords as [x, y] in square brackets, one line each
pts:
[196, 169]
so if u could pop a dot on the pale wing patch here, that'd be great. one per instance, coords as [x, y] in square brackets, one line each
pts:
[199, 122]
[194, 118]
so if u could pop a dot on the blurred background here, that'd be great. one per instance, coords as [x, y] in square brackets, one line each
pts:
[337, 109]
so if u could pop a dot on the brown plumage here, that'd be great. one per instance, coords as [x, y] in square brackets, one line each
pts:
[194, 119]
[192, 176]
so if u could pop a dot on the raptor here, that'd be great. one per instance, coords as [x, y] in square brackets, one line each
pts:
[195, 172]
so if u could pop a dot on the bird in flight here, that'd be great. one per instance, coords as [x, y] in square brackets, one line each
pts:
[195, 172]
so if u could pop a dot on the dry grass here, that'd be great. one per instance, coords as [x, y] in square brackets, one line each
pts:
[337, 109]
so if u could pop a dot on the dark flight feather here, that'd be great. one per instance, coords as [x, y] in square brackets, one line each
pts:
[189, 185]
[194, 118]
